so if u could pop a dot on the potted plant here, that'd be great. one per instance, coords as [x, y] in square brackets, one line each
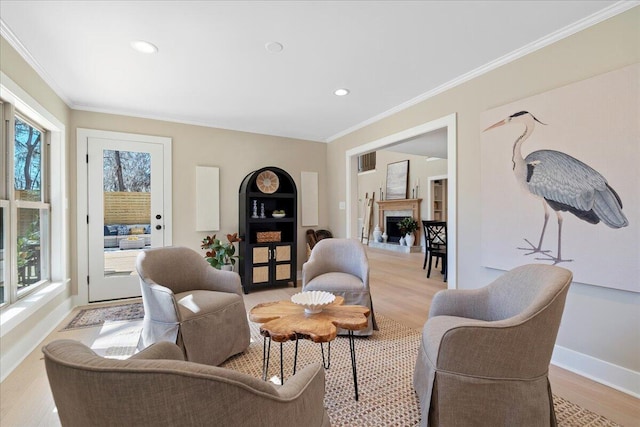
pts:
[221, 255]
[407, 226]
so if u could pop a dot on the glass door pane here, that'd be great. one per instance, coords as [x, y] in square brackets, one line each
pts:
[29, 248]
[127, 209]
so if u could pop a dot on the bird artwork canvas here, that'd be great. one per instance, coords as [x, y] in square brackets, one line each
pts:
[560, 180]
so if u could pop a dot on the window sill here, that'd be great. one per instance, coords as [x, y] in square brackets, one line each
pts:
[14, 314]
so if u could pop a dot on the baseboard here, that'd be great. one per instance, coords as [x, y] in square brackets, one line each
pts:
[614, 376]
[12, 357]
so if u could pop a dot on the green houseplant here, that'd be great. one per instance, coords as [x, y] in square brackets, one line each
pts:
[221, 254]
[407, 225]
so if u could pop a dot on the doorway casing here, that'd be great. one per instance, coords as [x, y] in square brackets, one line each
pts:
[351, 157]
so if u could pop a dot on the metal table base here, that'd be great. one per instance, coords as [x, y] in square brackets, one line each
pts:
[266, 355]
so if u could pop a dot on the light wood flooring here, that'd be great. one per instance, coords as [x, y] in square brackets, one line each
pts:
[400, 291]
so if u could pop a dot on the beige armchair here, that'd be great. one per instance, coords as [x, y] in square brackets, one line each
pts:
[156, 387]
[485, 353]
[340, 266]
[188, 302]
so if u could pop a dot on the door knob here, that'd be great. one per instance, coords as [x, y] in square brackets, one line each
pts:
[158, 227]
[158, 216]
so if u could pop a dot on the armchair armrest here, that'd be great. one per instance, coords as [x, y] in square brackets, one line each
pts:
[364, 274]
[305, 390]
[310, 270]
[222, 281]
[160, 350]
[469, 303]
[159, 302]
[505, 349]
[310, 377]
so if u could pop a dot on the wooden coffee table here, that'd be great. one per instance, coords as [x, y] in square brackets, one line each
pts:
[285, 321]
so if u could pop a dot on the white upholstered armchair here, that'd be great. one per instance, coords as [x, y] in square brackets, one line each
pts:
[190, 303]
[340, 266]
[485, 353]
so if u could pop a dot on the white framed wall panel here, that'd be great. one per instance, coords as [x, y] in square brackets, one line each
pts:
[309, 198]
[207, 198]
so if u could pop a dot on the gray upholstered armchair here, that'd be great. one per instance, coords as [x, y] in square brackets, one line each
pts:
[485, 353]
[340, 266]
[188, 302]
[156, 387]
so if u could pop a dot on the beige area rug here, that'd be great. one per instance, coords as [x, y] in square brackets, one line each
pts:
[385, 364]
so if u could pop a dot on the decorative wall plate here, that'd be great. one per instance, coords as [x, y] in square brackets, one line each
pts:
[268, 182]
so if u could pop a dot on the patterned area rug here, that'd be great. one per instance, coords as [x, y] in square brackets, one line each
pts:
[92, 317]
[385, 364]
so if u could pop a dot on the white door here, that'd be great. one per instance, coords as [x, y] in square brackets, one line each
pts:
[125, 212]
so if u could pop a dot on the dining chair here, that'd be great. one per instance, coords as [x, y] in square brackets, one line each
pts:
[435, 237]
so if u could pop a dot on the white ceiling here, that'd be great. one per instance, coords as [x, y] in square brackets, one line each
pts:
[212, 67]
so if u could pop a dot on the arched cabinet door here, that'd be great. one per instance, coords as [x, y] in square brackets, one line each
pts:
[268, 226]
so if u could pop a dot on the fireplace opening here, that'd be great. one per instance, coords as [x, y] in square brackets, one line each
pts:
[391, 227]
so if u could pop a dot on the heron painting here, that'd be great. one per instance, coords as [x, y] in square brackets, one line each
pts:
[560, 181]
[563, 184]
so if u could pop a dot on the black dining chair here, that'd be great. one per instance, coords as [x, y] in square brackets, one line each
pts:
[435, 237]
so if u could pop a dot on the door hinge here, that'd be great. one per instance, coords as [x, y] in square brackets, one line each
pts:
[87, 219]
[87, 280]
[87, 158]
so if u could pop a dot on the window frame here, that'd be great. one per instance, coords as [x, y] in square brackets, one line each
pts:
[18, 307]
[13, 289]
[367, 162]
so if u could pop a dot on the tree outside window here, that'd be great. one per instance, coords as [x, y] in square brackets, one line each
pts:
[27, 177]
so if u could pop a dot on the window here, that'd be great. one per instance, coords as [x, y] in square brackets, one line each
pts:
[367, 162]
[24, 206]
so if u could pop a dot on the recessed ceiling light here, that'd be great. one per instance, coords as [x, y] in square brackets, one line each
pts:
[274, 47]
[143, 46]
[341, 92]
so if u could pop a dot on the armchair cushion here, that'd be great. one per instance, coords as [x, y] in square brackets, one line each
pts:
[194, 304]
[335, 282]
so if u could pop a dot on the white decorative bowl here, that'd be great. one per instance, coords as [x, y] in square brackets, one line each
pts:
[313, 301]
[275, 215]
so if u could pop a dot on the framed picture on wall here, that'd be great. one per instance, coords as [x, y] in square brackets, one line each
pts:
[397, 180]
[559, 180]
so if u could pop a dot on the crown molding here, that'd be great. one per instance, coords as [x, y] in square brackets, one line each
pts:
[589, 21]
[613, 10]
[13, 40]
